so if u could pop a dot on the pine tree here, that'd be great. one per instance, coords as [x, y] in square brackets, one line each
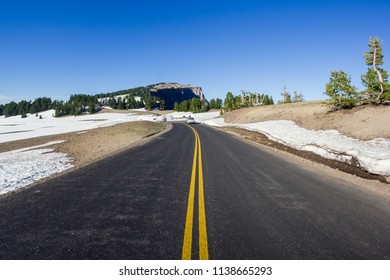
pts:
[162, 104]
[376, 78]
[340, 91]
[121, 105]
[229, 101]
[286, 95]
[298, 97]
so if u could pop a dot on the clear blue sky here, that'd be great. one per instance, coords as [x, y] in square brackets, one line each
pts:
[58, 48]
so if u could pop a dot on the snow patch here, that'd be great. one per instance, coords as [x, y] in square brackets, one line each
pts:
[199, 117]
[17, 128]
[372, 155]
[19, 168]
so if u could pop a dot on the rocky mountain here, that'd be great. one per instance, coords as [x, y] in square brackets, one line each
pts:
[174, 92]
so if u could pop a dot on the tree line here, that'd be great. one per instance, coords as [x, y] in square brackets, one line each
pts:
[343, 95]
[82, 103]
[194, 105]
[245, 100]
[24, 107]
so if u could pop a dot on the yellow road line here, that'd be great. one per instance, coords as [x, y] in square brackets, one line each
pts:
[203, 245]
[187, 243]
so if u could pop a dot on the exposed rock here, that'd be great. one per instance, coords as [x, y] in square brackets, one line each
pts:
[173, 92]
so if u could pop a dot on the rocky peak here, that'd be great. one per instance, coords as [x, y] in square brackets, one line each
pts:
[174, 92]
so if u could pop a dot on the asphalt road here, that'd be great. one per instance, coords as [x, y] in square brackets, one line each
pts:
[136, 205]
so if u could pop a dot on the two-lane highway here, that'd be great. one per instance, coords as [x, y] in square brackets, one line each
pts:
[195, 193]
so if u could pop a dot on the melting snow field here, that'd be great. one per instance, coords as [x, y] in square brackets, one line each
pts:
[22, 167]
[16, 128]
[373, 155]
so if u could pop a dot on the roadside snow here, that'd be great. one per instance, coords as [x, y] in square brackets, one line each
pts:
[19, 168]
[199, 117]
[16, 128]
[373, 155]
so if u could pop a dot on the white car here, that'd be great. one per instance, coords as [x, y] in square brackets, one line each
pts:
[191, 120]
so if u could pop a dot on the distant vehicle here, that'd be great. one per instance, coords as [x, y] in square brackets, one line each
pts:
[191, 120]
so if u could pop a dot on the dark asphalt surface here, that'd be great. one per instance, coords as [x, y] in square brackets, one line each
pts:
[133, 206]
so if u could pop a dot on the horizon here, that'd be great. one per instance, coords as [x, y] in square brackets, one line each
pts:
[58, 49]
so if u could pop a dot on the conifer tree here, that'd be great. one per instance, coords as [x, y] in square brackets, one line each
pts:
[376, 78]
[340, 91]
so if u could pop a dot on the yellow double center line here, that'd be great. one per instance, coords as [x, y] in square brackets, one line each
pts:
[187, 243]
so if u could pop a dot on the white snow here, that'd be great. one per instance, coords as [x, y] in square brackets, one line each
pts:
[116, 97]
[19, 168]
[199, 117]
[373, 155]
[16, 128]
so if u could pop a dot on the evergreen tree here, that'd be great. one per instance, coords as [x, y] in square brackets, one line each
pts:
[204, 106]
[265, 99]
[229, 102]
[219, 103]
[340, 91]
[286, 96]
[376, 78]
[215, 103]
[162, 104]
[176, 106]
[121, 105]
[91, 107]
[184, 106]
[237, 102]
[298, 97]
[195, 105]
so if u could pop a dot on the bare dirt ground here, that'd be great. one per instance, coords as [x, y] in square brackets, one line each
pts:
[92, 145]
[364, 122]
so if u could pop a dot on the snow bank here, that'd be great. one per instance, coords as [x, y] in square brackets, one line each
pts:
[373, 155]
[19, 168]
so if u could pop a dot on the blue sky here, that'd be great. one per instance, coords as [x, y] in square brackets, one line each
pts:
[58, 48]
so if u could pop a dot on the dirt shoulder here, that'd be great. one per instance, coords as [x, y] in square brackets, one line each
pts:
[88, 146]
[364, 122]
